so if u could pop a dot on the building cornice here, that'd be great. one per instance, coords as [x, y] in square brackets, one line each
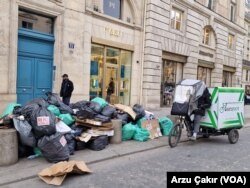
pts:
[218, 18]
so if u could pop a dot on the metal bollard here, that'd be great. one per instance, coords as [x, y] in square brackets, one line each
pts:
[117, 125]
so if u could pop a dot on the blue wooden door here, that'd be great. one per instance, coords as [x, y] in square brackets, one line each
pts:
[35, 65]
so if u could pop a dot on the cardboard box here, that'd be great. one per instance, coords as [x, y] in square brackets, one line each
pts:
[56, 174]
[127, 109]
[153, 127]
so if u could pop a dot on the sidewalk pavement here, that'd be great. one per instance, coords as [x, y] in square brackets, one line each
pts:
[29, 168]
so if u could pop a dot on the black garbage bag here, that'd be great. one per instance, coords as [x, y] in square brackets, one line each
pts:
[77, 130]
[108, 111]
[54, 148]
[24, 151]
[17, 110]
[98, 143]
[79, 105]
[103, 119]
[71, 142]
[123, 116]
[86, 113]
[27, 111]
[43, 122]
[54, 99]
[95, 106]
[139, 110]
[80, 145]
[39, 101]
[24, 130]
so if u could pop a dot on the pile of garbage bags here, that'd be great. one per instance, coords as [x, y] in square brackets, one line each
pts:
[48, 127]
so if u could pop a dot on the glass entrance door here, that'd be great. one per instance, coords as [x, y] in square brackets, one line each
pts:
[110, 87]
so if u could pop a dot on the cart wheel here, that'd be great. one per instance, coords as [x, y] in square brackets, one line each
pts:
[175, 135]
[233, 136]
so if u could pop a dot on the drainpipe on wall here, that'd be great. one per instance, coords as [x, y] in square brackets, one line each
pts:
[143, 49]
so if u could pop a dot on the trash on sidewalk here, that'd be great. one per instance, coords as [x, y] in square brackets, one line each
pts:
[56, 174]
[166, 125]
[153, 127]
[58, 130]
[127, 109]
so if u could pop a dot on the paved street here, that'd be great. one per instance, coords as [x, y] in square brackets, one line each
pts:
[148, 169]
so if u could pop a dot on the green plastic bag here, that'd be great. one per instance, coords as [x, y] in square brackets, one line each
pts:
[54, 110]
[67, 119]
[141, 134]
[128, 131]
[100, 101]
[140, 121]
[9, 109]
[166, 125]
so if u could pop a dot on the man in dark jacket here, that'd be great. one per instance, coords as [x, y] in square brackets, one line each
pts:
[204, 102]
[67, 88]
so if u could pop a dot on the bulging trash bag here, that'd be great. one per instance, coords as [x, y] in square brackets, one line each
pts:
[128, 131]
[55, 100]
[102, 102]
[108, 111]
[79, 105]
[9, 109]
[71, 142]
[123, 116]
[139, 110]
[141, 134]
[54, 148]
[95, 106]
[43, 122]
[103, 119]
[54, 110]
[24, 151]
[24, 129]
[40, 101]
[166, 125]
[86, 113]
[67, 119]
[99, 143]
[26, 111]
[140, 121]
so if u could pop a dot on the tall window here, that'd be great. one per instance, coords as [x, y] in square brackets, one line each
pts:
[230, 41]
[204, 74]
[232, 12]
[176, 19]
[227, 79]
[206, 36]
[112, 8]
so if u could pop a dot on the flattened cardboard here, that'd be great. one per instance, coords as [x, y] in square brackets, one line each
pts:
[85, 137]
[153, 127]
[56, 174]
[127, 109]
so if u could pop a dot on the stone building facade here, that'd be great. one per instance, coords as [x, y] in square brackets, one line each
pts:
[197, 39]
[145, 46]
[246, 57]
[91, 41]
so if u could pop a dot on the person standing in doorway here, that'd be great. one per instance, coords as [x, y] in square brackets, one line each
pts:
[111, 89]
[67, 88]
